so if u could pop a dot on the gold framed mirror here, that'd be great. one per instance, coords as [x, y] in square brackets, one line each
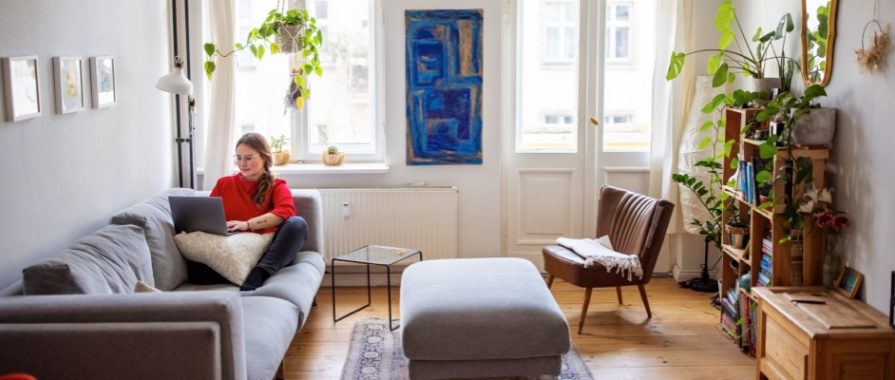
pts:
[818, 40]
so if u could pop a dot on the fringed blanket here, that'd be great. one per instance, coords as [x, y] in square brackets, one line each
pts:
[599, 251]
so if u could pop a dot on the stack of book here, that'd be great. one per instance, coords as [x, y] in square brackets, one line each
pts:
[767, 262]
[730, 312]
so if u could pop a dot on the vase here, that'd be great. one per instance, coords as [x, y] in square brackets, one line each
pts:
[832, 259]
[281, 158]
[817, 127]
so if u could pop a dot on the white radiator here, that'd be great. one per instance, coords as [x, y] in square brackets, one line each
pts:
[420, 218]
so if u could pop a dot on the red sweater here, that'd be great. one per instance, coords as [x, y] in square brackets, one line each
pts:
[237, 193]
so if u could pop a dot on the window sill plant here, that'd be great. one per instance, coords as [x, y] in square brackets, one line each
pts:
[283, 31]
[280, 155]
[332, 156]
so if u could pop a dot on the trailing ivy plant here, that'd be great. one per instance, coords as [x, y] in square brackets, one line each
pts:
[279, 26]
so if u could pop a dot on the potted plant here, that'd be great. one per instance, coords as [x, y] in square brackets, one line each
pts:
[737, 230]
[332, 156]
[283, 31]
[745, 58]
[280, 155]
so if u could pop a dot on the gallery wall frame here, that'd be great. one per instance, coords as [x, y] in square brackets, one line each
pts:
[102, 77]
[68, 73]
[21, 87]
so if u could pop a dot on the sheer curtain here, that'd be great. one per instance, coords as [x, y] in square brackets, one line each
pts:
[219, 129]
[671, 100]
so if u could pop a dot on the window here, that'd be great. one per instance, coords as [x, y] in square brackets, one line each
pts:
[342, 108]
[624, 133]
[547, 99]
[560, 32]
[618, 32]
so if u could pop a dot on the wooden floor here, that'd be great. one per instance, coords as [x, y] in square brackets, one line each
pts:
[681, 341]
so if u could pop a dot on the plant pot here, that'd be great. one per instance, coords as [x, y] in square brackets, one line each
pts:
[765, 86]
[817, 127]
[290, 38]
[281, 158]
[737, 235]
[333, 159]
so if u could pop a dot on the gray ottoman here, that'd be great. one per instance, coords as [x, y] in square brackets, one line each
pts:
[480, 318]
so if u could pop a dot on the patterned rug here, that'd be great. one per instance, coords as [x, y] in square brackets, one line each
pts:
[375, 353]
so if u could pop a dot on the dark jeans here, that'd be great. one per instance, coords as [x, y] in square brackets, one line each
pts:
[284, 248]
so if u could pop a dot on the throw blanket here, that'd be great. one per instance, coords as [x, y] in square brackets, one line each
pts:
[600, 251]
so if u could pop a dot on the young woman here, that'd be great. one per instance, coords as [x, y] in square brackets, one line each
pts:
[256, 201]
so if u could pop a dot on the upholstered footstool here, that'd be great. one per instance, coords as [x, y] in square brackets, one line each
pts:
[480, 318]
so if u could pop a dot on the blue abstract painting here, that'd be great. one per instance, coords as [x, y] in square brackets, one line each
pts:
[444, 86]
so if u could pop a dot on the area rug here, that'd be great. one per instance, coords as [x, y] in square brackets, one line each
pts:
[375, 353]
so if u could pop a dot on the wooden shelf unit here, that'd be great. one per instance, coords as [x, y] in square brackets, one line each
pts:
[766, 221]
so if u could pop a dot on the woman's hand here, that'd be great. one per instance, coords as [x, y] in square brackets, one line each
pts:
[237, 225]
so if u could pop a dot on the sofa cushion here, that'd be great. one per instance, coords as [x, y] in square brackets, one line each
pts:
[153, 215]
[269, 326]
[297, 284]
[231, 256]
[110, 260]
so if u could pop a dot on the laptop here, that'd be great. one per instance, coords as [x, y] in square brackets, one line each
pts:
[204, 214]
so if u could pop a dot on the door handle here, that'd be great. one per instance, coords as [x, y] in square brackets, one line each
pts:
[594, 121]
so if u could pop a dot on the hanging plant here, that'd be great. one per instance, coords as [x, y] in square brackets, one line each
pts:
[283, 31]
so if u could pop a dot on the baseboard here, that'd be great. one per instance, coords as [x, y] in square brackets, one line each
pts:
[680, 274]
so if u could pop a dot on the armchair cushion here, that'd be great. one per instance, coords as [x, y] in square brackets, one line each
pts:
[110, 260]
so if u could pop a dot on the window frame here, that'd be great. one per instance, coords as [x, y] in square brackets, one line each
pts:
[612, 26]
[561, 26]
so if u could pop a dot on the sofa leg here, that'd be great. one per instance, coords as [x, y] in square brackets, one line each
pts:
[618, 292]
[550, 280]
[584, 309]
[649, 314]
[314, 304]
[281, 370]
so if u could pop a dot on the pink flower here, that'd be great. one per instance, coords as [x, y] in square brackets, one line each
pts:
[824, 219]
[840, 221]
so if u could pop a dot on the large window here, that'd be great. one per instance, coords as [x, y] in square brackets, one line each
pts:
[560, 31]
[341, 110]
[618, 32]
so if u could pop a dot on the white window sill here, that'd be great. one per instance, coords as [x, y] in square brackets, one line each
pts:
[318, 168]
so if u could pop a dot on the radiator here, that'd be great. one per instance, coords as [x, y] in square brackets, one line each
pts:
[419, 218]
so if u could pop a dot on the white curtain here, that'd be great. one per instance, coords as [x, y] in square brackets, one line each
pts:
[222, 102]
[671, 100]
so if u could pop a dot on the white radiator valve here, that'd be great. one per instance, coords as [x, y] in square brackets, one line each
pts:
[346, 210]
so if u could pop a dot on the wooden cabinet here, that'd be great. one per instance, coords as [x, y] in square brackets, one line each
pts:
[808, 333]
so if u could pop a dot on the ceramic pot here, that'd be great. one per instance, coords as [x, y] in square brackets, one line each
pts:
[815, 128]
[737, 235]
[281, 158]
[333, 159]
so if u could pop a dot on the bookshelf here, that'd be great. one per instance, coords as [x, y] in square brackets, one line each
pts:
[767, 258]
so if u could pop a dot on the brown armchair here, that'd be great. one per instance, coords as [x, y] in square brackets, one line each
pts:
[635, 224]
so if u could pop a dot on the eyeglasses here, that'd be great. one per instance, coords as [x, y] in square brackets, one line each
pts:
[247, 158]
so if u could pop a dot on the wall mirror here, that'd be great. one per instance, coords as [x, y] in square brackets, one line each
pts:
[818, 37]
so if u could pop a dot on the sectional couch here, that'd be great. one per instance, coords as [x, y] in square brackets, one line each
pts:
[188, 331]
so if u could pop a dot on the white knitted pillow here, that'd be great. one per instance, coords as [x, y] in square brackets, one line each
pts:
[231, 256]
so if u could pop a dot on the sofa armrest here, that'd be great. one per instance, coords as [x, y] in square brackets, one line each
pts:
[310, 207]
[134, 336]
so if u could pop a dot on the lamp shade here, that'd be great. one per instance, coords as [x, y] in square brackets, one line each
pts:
[175, 82]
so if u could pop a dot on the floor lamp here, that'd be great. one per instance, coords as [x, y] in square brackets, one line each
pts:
[176, 83]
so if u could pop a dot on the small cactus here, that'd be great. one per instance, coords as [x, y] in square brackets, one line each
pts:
[332, 149]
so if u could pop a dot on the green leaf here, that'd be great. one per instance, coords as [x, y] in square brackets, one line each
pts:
[318, 71]
[720, 76]
[734, 164]
[675, 65]
[714, 63]
[307, 68]
[765, 38]
[274, 48]
[766, 151]
[814, 91]
[706, 126]
[725, 39]
[725, 16]
[705, 143]
[209, 48]
[260, 51]
[713, 104]
[790, 26]
[209, 69]
[728, 147]
[238, 46]
[757, 35]
[762, 176]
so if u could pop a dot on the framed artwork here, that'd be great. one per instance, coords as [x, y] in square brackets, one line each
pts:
[444, 86]
[69, 84]
[849, 282]
[21, 87]
[102, 74]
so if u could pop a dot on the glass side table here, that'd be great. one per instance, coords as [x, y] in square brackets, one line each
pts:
[373, 255]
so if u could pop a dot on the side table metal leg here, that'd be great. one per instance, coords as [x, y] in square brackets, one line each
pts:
[332, 276]
[388, 288]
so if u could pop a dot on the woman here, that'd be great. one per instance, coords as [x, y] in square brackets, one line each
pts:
[256, 201]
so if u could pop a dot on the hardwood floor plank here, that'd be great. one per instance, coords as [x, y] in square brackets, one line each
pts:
[681, 341]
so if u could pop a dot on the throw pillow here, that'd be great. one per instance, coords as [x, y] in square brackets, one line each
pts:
[232, 256]
[143, 287]
[110, 260]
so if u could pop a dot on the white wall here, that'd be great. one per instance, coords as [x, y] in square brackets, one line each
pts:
[65, 175]
[862, 159]
[479, 185]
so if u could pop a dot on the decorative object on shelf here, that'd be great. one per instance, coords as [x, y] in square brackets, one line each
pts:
[818, 40]
[68, 83]
[443, 62]
[737, 230]
[280, 155]
[873, 58]
[816, 128]
[849, 282]
[178, 84]
[746, 58]
[332, 156]
[283, 31]
[21, 87]
[102, 75]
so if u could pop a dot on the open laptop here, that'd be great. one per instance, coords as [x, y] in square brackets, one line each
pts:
[204, 214]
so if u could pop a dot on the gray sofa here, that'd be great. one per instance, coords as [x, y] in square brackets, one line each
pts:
[188, 331]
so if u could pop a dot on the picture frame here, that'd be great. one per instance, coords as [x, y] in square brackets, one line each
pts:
[21, 87]
[68, 76]
[102, 76]
[849, 282]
